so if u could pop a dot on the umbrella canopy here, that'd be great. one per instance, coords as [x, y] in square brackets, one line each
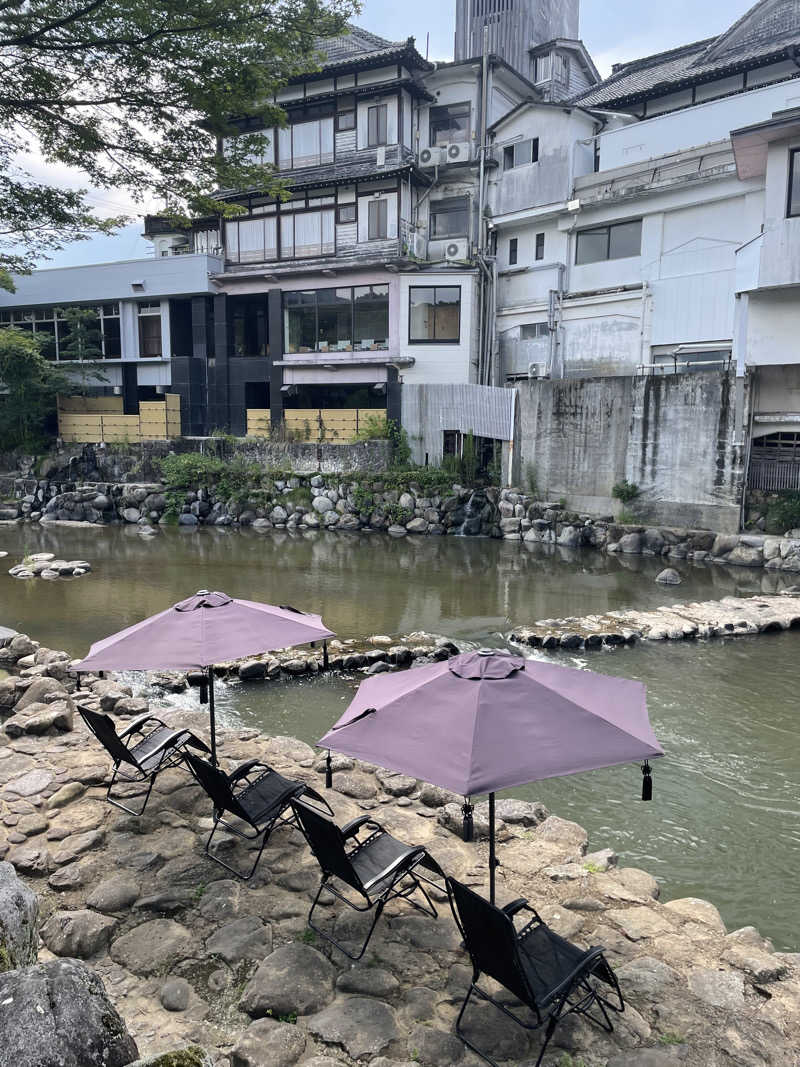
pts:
[484, 721]
[195, 634]
[481, 722]
[207, 628]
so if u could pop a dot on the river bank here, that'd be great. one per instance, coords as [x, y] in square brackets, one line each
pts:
[697, 994]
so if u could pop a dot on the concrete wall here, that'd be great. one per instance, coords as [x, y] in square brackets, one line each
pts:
[672, 436]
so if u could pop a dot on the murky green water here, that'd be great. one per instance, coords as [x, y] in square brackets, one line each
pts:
[725, 820]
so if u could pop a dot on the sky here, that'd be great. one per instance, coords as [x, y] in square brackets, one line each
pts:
[614, 31]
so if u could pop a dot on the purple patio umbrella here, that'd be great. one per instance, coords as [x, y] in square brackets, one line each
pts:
[488, 720]
[195, 634]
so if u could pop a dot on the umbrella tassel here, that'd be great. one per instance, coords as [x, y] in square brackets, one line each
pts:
[468, 826]
[204, 691]
[328, 771]
[647, 781]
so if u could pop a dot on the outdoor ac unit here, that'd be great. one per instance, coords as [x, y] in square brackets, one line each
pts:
[430, 157]
[537, 370]
[419, 246]
[458, 152]
[456, 251]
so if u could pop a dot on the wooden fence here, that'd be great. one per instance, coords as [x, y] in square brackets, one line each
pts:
[90, 419]
[332, 425]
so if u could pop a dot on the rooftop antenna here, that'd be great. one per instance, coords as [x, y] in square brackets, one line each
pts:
[427, 43]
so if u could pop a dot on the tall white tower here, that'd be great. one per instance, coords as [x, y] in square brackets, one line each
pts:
[514, 27]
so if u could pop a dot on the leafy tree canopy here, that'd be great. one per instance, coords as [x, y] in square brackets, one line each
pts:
[30, 387]
[139, 95]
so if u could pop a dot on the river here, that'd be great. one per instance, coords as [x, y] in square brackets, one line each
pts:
[725, 819]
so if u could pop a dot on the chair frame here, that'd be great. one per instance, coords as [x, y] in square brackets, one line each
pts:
[402, 869]
[171, 748]
[242, 773]
[573, 995]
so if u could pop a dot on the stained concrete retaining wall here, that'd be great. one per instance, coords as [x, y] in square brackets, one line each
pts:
[673, 436]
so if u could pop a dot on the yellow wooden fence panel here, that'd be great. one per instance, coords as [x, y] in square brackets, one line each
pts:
[258, 422]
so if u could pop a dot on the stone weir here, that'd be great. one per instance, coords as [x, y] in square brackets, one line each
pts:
[729, 617]
[122, 943]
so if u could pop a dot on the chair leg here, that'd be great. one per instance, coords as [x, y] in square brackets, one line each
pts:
[238, 874]
[551, 1026]
[332, 941]
[123, 807]
[483, 1055]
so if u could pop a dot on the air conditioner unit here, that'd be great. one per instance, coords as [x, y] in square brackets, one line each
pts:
[430, 157]
[458, 152]
[537, 370]
[419, 246]
[456, 251]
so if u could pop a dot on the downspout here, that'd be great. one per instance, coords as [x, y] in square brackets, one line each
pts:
[748, 448]
[482, 327]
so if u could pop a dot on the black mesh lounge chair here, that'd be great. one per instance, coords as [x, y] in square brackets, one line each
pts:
[379, 868]
[544, 972]
[253, 793]
[159, 747]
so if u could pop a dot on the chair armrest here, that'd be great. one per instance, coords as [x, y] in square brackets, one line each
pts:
[171, 740]
[244, 769]
[350, 829]
[585, 965]
[137, 724]
[516, 905]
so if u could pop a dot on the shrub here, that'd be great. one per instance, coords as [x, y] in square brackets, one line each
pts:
[373, 428]
[531, 480]
[783, 513]
[625, 491]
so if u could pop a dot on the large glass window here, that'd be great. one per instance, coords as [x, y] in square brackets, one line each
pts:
[377, 118]
[305, 144]
[337, 320]
[51, 326]
[434, 314]
[306, 234]
[249, 317]
[618, 241]
[378, 220]
[150, 331]
[794, 183]
[450, 218]
[449, 122]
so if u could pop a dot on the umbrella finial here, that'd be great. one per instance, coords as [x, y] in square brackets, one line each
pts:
[647, 781]
[468, 826]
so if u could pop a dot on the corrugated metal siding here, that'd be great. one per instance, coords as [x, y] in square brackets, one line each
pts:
[428, 410]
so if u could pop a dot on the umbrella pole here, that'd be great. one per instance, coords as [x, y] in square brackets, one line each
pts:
[325, 655]
[492, 860]
[211, 716]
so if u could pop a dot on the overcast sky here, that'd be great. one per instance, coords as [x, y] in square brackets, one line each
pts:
[613, 30]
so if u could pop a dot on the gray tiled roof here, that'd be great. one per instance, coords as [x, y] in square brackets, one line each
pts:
[763, 33]
[354, 44]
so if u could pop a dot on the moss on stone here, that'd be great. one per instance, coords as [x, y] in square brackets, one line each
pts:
[6, 963]
[194, 1056]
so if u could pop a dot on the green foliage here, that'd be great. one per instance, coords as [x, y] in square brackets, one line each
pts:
[137, 93]
[363, 499]
[32, 386]
[469, 458]
[669, 1038]
[300, 497]
[396, 515]
[84, 340]
[592, 868]
[570, 1061]
[783, 513]
[308, 937]
[374, 428]
[199, 892]
[531, 480]
[626, 518]
[625, 491]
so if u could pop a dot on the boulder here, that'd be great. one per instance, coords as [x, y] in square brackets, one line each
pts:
[153, 947]
[322, 504]
[79, 934]
[269, 1043]
[721, 989]
[243, 939]
[691, 909]
[564, 832]
[362, 1026]
[515, 812]
[357, 785]
[175, 994]
[115, 893]
[19, 913]
[38, 690]
[295, 978]
[669, 576]
[58, 1013]
[191, 1056]
[630, 543]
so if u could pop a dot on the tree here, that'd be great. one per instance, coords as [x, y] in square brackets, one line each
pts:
[31, 386]
[84, 339]
[140, 95]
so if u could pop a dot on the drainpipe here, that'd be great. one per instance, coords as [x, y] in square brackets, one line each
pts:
[482, 141]
[748, 448]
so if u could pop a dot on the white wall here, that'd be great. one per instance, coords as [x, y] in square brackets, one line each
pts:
[773, 332]
[439, 362]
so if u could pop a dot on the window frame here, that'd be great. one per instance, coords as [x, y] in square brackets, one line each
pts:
[539, 247]
[40, 318]
[452, 112]
[448, 206]
[608, 227]
[794, 168]
[510, 153]
[513, 251]
[350, 204]
[434, 340]
[380, 206]
[286, 309]
[384, 120]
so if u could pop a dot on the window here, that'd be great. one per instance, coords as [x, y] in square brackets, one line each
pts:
[303, 226]
[617, 241]
[512, 251]
[150, 331]
[542, 68]
[346, 213]
[794, 183]
[532, 331]
[51, 327]
[305, 144]
[337, 320]
[305, 234]
[378, 220]
[521, 154]
[434, 314]
[249, 316]
[450, 218]
[376, 125]
[540, 246]
[449, 122]
[346, 114]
